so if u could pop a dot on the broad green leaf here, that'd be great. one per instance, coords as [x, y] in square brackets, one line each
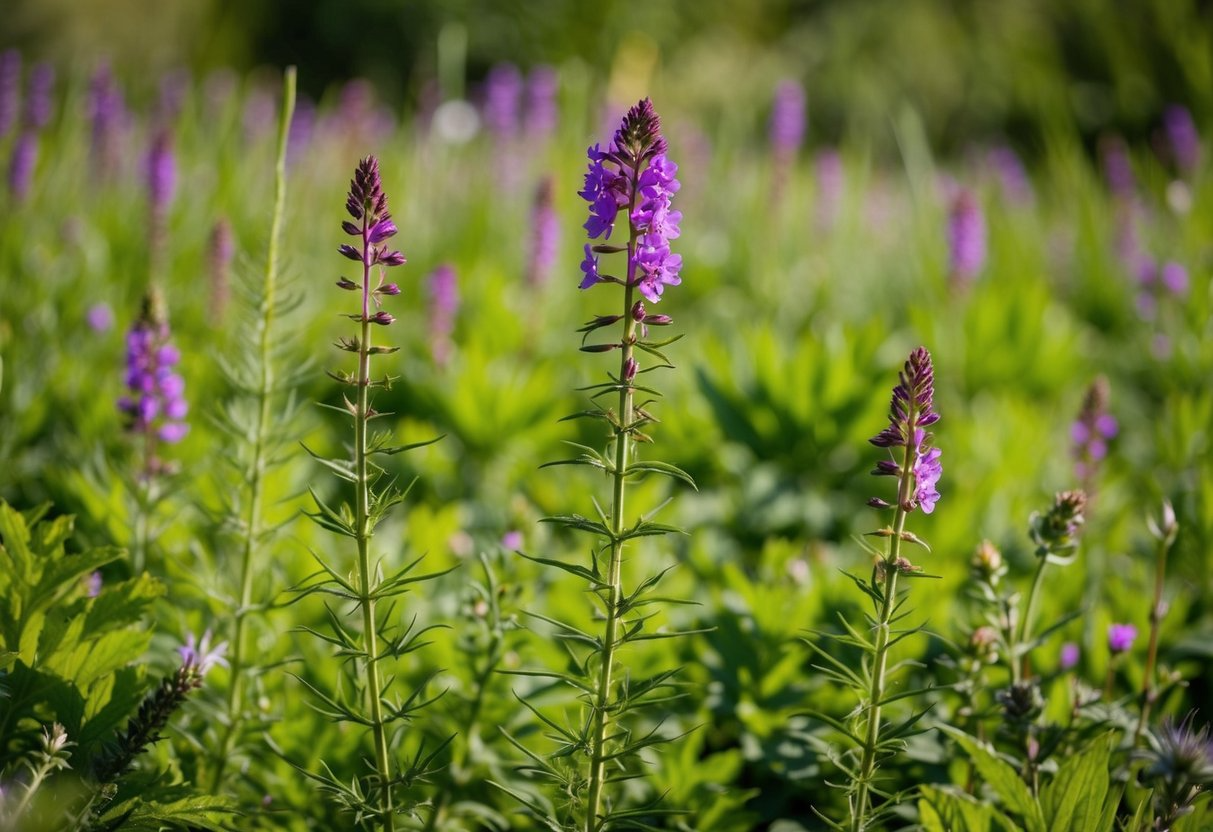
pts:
[1074, 800]
[1002, 778]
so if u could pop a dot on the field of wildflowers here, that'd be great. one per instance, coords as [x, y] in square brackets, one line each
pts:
[429, 471]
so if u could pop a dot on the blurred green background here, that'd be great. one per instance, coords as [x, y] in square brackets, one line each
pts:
[974, 69]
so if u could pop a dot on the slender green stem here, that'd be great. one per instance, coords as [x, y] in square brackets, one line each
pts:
[1148, 690]
[867, 766]
[1019, 664]
[623, 445]
[255, 477]
[366, 580]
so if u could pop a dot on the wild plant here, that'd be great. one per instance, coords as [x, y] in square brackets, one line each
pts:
[369, 646]
[259, 421]
[873, 740]
[600, 747]
[71, 652]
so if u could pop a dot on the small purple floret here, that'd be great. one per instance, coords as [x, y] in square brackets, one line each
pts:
[1121, 638]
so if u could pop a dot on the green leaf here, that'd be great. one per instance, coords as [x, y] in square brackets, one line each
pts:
[672, 471]
[1001, 777]
[947, 811]
[1073, 801]
[572, 568]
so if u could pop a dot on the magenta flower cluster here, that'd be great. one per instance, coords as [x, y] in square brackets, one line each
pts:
[966, 237]
[155, 403]
[635, 175]
[367, 203]
[1121, 638]
[911, 411]
[1093, 429]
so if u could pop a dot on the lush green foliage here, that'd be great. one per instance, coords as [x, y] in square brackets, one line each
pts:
[797, 321]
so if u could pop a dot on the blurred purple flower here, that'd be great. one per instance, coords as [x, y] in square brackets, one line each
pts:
[160, 170]
[512, 540]
[1118, 169]
[542, 86]
[444, 306]
[545, 234]
[787, 120]
[829, 174]
[10, 90]
[1183, 138]
[1174, 278]
[1092, 430]
[1121, 638]
[155, 404]
[502, 97]
[107, 116]
[21, 165]
[966, 237]
[1012, 178]
[1069, 655]
[303, 126]
[100, 317]
[93, 588]
[174, 85]
[39, 102]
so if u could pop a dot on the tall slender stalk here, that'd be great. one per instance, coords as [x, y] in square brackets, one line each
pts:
[917, 469]
[623, 441]
[867, 766]
[257, 466]
[1165, 535]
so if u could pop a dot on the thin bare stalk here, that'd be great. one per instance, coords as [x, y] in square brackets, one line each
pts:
[255, 477]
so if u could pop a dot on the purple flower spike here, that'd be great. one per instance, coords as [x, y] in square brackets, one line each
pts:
[21, 165]
[1121, 638]
[966, 238]
[1174, 278]
[444, 306]
[155, 405]
[1012, 178]
[10, 90]
[787, 120]
[107, 116]
[502, 96]
[545, 234]
[1181, 135]
[1118, 169]
[910, 412]
[161, 172]
[829, 175]
[40, 100]
[541, 116]
[1092, 430]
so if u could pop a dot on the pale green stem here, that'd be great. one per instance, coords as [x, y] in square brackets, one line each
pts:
[257, 464]
[867, 766]
[1019, 664]
[366, 585]
[1148, 690]
[623, 443]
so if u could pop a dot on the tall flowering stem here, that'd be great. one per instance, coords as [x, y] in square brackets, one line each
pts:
[252, 522]
[917, 470]
[372, 227]
[631, 178]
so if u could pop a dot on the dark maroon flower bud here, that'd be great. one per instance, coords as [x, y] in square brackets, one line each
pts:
[350, 252]
[381, 230]
[630, 368]
[876, 502]
[388, 289]
[390, 258]
[381, 318]
[351, 229]
[887, 468]
[346, 283]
